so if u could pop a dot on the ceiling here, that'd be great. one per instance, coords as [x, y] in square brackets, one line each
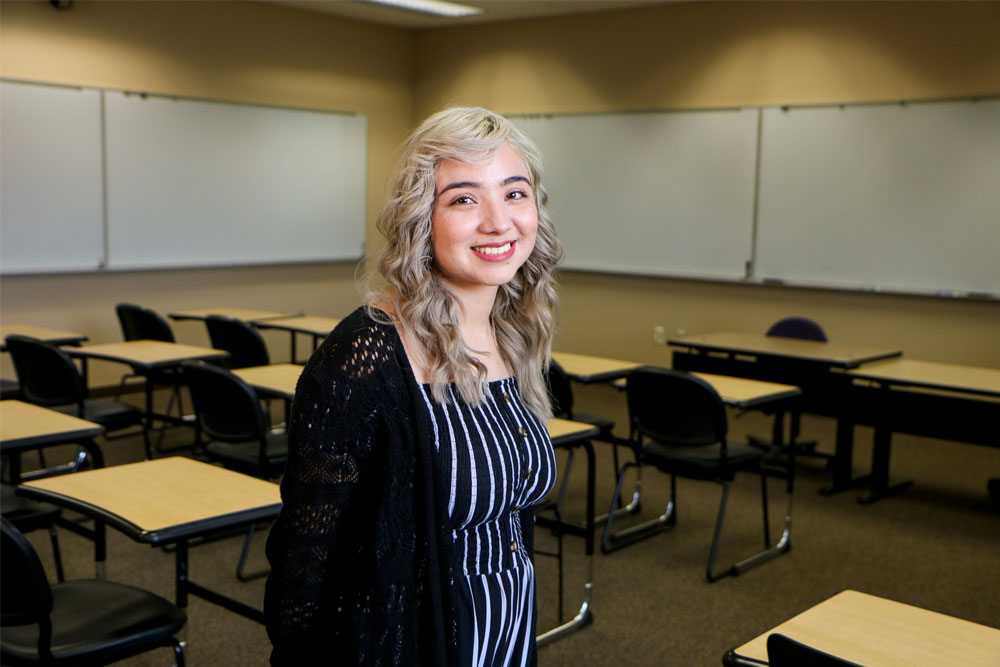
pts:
[494, 10]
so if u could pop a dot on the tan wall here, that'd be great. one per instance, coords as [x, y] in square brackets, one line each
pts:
[686, 55]
[234, 51]
[712, 54]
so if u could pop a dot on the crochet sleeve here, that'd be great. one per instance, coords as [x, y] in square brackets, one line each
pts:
[316, 543]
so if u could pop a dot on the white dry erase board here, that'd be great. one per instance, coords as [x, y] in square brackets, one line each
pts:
[651, 193]
[895, 197]
[178, 183]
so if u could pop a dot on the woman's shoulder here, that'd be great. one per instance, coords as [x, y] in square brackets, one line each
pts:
[364, 344]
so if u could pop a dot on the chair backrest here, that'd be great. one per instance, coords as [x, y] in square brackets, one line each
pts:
[560, 391]
[675, 408]
[24, 588]
[797, 327]
[228, 409]
[141, 323]
[47, 374]
[244, 344]
[784, 651]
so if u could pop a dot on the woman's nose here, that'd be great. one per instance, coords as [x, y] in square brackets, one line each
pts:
[495, 219]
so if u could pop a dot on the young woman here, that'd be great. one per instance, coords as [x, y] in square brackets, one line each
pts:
[417, 440]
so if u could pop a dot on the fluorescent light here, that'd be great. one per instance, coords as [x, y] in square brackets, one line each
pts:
[436, 7]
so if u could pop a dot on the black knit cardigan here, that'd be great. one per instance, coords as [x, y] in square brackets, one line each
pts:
[361, 555]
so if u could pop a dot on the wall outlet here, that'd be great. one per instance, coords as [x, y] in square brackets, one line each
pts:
[659, 335]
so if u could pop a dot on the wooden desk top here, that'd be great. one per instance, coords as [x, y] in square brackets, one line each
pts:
[246, 314]
[309, 324]
[586, 369]
[742, 392]
[932, 375]
[163, 499]
[276, 378]
[54, 336]
[23, 425]
[876, 632]
[147, 353]
[834, 354]
[564, 430]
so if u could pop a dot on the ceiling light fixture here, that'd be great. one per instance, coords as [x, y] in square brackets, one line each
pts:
[436, 7]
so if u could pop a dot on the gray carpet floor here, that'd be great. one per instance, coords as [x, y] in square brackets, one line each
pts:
[935, 546]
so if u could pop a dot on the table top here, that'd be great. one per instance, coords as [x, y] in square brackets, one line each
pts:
[834, 354]
[309, 324]
[742, 392]
[147, 353]
[24, 426]
[275, 378]
[162, 500]
[932, 375]
[246, 314]
[564, 430]
[873, 631]
[54, 336]
[586, 369]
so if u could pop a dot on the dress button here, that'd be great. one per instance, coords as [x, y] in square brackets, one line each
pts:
[513, 546]
[527, 475]
[523, 432]
[506, 397]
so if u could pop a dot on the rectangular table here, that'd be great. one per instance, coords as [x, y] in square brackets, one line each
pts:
[803, 363]
[587, 369]
[24, 426]
[877, 632]
[53, 336]
[166, 501]
[245, 314]
[949, 401]
[317, 327]
[145, 356]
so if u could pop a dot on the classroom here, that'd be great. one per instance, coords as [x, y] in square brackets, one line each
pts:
[670, 56]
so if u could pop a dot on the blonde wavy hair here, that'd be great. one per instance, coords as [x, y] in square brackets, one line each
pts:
[525, 312]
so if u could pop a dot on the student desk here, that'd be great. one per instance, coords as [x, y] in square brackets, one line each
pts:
[24, 426]
[245, 314]
[280, 380]
[166, 501]
[317, 327]
[803, 363]
[586, 369]
[876, 632]
[53, 336]
[145, 356]
[927, 398]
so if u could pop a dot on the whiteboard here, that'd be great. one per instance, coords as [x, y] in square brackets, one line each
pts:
[651, 193]
[51, 191]
[195, 183]
[886, 196]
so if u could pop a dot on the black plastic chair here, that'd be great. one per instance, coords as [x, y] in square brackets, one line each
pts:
[244, 344]
[678, 425]
[229, 414]
[784, 651]
[801, 328]
[50, 378]
[142, 323]
[28, 515]
[9, 389]
[79, 623]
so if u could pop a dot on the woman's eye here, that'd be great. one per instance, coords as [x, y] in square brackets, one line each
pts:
[517, 194]
[464, 199]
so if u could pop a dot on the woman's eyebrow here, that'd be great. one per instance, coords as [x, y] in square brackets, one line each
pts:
[457, 185]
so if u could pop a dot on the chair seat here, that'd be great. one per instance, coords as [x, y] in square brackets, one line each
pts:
[86, 618]
[245, 456]
[702, 462]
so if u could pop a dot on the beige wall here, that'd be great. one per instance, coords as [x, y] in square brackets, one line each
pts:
[716, 54]
[686, 55]
[234, 51]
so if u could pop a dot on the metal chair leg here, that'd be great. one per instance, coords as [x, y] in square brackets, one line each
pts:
[614, 541]
[243, 559]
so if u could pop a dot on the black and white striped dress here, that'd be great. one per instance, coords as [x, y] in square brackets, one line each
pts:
[500, 459]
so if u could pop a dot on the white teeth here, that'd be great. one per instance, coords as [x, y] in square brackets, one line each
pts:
[497, 250]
